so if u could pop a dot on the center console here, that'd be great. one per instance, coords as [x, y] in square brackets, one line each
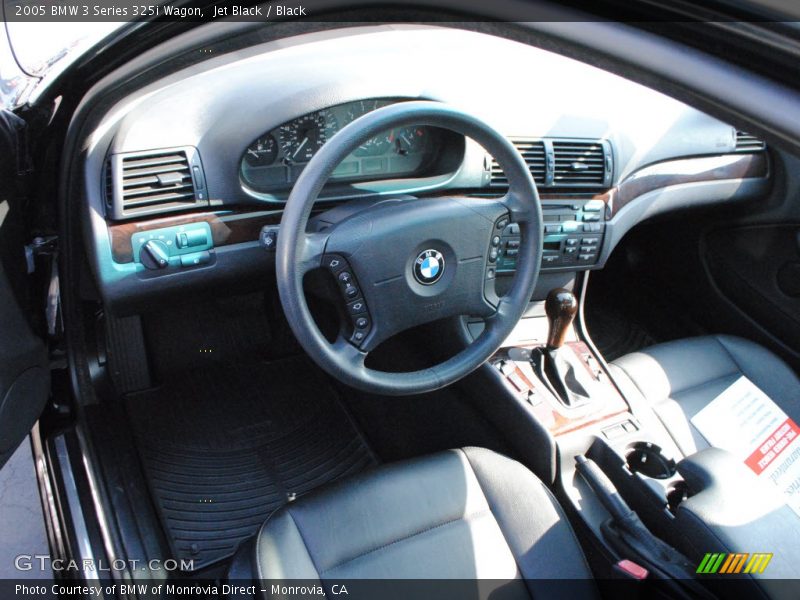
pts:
[655, 513]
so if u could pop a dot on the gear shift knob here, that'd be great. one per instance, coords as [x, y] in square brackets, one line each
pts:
[561, 307]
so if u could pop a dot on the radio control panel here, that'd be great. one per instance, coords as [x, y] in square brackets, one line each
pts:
[573, 236]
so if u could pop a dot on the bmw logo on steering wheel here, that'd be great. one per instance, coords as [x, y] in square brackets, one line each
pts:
[429, 267]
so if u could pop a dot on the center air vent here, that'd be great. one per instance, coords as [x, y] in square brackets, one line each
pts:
[579, 163]
[156, 181]
[746, 142]
[562, 163]
[535, 156]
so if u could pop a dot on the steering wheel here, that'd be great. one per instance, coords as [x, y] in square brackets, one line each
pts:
[410, 262]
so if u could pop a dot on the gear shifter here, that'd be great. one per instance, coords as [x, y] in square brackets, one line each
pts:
[558, 366]
[561, 307]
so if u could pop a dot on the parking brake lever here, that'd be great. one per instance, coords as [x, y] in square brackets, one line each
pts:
[657, 556]
[603, 488]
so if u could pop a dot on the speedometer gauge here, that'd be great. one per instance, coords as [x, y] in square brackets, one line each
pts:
[300, 139]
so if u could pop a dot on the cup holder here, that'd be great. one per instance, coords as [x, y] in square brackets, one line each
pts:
[676, 493]
[647, 459]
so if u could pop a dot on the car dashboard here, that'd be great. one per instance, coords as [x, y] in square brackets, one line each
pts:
[182, 176]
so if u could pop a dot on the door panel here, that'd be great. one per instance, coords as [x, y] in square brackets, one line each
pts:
[24, 370]
[758, 269]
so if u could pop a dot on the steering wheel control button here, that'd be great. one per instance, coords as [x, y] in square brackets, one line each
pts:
[493, 255]
[496, 240]
[349, 288]
[334, 263]
[358, 337]
[490, 273]
[362, 323]
[268, 238]
[357, 307]
[429, 266]
[348, 284]
[501, 224]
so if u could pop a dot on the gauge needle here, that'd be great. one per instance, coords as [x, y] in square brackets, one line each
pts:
[253, 152]
[300, 147]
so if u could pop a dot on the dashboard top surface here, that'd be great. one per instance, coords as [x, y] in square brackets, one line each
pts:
[224, 105]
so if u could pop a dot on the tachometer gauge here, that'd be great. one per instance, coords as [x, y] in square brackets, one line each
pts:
[408, 140]
[262, 152]
[300, 139]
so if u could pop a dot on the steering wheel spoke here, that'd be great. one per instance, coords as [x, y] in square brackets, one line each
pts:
[311, 252]
[351, 354]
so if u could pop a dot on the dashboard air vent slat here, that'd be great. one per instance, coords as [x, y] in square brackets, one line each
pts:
[578, 163]
[562, 163]
[108, 185]
[533, 152]
[746, 142]
[156, 181]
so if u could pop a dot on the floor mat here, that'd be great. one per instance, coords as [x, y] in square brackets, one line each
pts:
[223, 447]
[629, 315]
[616, 334]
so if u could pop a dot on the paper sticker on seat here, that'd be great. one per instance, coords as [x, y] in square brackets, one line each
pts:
[747, 423]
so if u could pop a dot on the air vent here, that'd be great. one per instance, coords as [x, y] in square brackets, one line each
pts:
[579, 163]
[533, 151]
[108, 185]
[748, 143]
[156, 181]
[562, 163]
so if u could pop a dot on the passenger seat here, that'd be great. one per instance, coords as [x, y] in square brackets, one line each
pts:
[678, 379]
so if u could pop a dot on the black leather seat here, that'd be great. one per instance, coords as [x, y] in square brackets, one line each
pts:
[460, 515]
[677, 379]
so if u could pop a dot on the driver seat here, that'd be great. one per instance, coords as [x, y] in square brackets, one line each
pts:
[461, 514]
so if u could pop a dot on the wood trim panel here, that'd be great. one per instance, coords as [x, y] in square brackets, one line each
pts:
[690, 170]
[550, 412]
[671, 172]
[226, 229]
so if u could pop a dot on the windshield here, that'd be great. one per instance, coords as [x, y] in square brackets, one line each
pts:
[38, 46]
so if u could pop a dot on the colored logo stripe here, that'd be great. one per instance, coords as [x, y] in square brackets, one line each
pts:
[758, 562]
[724, 563]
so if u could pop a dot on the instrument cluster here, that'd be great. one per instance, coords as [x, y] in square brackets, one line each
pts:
[274, 160]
